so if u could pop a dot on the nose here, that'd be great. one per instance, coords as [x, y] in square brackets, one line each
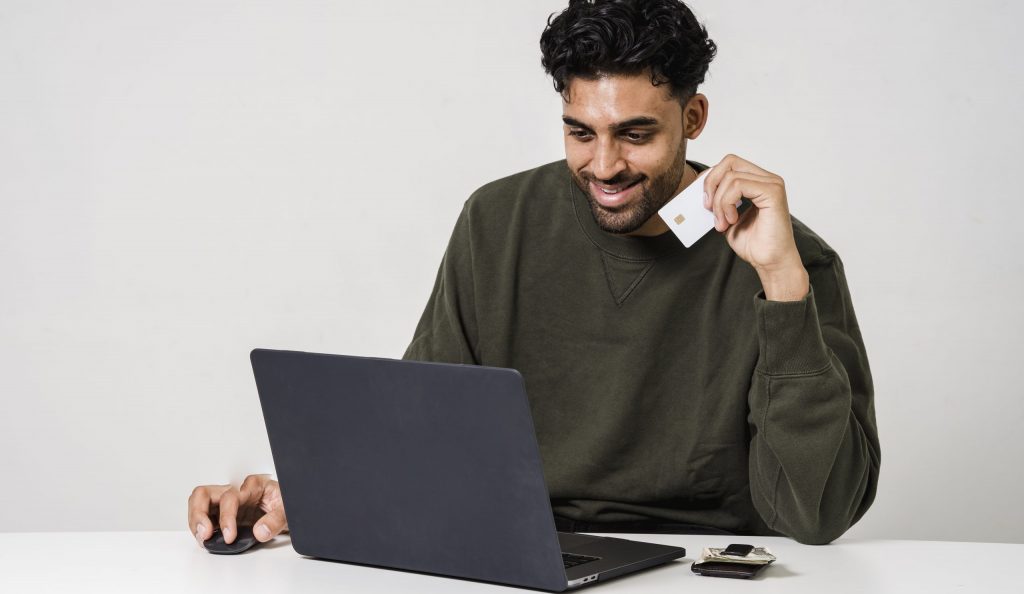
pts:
[608, 161]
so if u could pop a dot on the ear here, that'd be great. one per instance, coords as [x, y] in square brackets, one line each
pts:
[695, 116]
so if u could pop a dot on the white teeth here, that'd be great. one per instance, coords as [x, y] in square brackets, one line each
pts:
[609, 191]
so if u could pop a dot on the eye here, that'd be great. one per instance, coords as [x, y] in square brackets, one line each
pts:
[579, 134]
[636, 137]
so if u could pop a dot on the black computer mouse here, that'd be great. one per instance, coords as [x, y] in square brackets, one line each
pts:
[243, 542]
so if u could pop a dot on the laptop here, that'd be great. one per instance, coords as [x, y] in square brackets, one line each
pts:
[425, 467]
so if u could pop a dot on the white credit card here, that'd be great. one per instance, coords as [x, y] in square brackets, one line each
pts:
[685, 214]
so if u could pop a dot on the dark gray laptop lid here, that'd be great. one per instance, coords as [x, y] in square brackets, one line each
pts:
[419, 466]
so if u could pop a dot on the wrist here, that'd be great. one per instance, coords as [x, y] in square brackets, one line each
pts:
[789, 283]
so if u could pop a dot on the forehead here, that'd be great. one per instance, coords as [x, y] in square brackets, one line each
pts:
[614, 98]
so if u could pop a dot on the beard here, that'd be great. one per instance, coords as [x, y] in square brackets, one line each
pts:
[653, 194]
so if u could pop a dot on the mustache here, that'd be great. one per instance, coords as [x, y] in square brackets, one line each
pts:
[620, 179]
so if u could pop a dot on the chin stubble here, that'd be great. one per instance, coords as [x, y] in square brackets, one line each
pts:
[654, 193]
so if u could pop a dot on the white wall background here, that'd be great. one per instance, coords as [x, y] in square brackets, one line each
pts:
[183, 181]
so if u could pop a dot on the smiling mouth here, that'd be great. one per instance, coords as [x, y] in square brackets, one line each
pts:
[616, 190]
[614, 196]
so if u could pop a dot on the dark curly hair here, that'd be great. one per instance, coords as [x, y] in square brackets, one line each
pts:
[593, 38]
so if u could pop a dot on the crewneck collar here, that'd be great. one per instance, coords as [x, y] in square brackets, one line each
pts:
[624, 247]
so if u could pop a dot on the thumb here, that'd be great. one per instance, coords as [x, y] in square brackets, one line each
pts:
[270, 525]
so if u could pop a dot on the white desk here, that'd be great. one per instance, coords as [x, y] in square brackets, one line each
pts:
[85, 562]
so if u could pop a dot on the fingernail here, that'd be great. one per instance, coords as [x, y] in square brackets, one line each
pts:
[226, 531]
[716, 221]
[262, 531]
[706, 205]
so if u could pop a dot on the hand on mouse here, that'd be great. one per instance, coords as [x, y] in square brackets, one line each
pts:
[256, 502]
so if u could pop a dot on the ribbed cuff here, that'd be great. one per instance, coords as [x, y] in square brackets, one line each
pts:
[789, 336]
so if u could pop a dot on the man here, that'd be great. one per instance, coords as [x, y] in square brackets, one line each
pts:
[720, 388]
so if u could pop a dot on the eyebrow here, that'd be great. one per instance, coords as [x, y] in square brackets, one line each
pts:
[630, 123]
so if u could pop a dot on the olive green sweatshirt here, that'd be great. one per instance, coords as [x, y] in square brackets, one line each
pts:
[663, 385]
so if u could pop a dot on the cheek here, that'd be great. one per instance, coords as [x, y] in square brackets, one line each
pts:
[646, 158]
[658, 156]
[577, 154]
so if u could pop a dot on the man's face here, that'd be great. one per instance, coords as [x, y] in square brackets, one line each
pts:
[625, 145]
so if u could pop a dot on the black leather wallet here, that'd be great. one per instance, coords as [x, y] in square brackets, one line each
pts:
[742, 561]
[729, 570]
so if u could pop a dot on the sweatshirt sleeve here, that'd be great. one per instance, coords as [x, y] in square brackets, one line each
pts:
[814, 451]
[447, 330]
